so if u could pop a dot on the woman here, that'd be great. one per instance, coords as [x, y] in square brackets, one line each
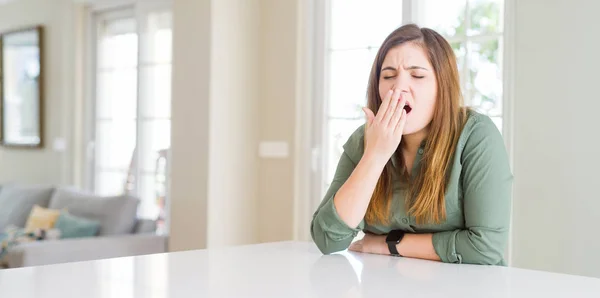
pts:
[425, 177]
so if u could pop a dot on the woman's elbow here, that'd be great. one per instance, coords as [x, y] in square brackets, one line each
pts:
[489, 257]
[487, 247]
[328, 249]
[327, 245]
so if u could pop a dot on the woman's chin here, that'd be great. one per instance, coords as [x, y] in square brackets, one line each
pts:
[409, 130]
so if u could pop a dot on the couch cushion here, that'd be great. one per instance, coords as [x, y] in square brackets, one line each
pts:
[117, 215]
[16, 202]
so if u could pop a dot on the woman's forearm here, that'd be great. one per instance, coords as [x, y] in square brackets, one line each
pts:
[352, 199]
[418, 246]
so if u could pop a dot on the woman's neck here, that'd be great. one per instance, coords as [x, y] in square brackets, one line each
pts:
[412, 142]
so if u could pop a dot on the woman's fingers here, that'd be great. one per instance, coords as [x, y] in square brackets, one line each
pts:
[393, 103]
[384, 106]
[369, 116]
[400, 125]
[398, 111]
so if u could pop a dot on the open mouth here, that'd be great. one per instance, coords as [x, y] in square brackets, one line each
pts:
[407, 108]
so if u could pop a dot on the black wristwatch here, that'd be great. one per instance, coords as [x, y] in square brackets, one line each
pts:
[392, 239]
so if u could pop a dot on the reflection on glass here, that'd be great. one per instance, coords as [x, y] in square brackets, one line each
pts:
[21, 89]
[121, 276]
[346, 284]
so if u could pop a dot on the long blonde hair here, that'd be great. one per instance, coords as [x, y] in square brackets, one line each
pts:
[425, 197]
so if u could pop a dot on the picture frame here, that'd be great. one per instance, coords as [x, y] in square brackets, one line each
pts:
[21, 88]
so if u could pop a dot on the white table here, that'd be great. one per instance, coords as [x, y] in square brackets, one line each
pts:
[286, 269]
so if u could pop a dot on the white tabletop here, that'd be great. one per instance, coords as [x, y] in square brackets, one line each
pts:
[286, 269]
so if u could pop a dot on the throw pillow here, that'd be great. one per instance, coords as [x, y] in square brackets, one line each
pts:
[41, 218]
[72, 226]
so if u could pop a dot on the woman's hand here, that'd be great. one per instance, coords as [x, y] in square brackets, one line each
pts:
[384, 131]
[371, 243]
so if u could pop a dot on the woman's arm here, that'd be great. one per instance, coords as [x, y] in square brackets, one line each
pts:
[487, 185]
[418, 246]
[340, 216]
[352, 199]
[333, 227]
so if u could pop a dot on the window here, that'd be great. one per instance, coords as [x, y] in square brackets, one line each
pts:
[356, 28]
[132, 105]
[474, 28]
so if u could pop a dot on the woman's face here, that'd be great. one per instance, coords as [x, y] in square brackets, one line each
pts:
[407, 68]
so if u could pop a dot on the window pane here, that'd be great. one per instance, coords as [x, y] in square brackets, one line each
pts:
[155, 90]
[116, 103]
[363, 23]
[110, 183]
[485, 77]
[117, 43]
[338, 133]
[447, 17]
[156, 136]
[148, 196]
[485, 16]
[115, 142]
[349, 75]
[498, 122]
[157, 36]
[460, 53]
[116, 94]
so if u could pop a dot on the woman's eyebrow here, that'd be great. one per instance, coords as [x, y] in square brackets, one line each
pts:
[415, 67]
[405, 68]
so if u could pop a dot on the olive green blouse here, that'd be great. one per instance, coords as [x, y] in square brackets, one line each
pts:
[478, 200]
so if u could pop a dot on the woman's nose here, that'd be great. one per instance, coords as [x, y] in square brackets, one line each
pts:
[401, 83]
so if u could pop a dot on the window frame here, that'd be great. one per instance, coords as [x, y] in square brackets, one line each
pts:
[107, 10]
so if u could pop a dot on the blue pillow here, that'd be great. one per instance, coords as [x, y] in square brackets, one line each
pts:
[71, 226]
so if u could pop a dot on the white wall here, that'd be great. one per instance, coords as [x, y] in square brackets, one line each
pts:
[59, 17]
[190, 124]
[277, 117]
[215, 123]
[234, 123]
[556, 137]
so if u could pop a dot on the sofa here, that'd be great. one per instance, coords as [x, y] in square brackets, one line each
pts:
[121, 233]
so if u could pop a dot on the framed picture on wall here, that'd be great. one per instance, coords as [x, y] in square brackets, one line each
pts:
[21, 88]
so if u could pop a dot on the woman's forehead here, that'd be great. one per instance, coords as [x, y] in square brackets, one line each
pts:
[405, 55]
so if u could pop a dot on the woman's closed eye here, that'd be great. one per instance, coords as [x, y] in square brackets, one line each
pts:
[391, 77]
